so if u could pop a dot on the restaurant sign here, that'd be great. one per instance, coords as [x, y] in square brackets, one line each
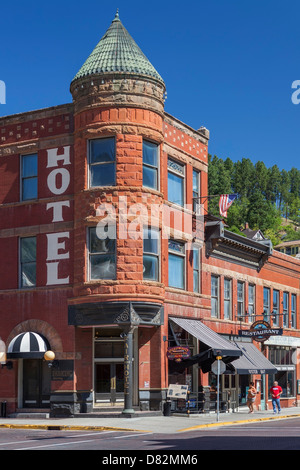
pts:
[177, 353]
[260, 331]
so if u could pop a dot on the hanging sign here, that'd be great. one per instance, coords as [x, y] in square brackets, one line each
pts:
[261, 331]
[177, 353]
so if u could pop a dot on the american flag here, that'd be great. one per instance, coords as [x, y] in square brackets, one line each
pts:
[225, 202]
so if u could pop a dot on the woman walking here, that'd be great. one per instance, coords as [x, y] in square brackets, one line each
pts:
[251, 397]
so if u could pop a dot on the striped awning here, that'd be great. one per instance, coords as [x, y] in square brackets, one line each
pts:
[211, 339]
[28, 345]
[252, 361]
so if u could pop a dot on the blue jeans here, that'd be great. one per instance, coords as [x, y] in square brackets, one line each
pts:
[276, 402]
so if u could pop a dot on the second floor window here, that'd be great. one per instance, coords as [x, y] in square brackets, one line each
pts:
[227, 299]
[176, 264]
[293, 310]
[102, 257]
[251, 303]
[275, 307]
[240, 299]
[196, 190]
[150, 164]
[266, 304]
[29, 183]
[28, 262]
[215, 296]
[102, 160]
[196, 270]
[151, 254]
[285, 309]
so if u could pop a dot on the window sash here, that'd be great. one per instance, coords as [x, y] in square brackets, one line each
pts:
[29, 179]
[196, 270]
[240, 298]
[176, 176]
[151, 254]
[285, 309]
[251, 302]
[102, 257]
[28, 262]
[227, 299]
[275, 307]
[102, 165]
[215, 296]
[150, 164]
[176, 261]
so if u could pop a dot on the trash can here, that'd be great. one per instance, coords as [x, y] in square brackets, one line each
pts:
[3, 409]
[167, 408]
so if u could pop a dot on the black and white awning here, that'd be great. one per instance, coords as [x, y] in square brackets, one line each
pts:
[28, 345]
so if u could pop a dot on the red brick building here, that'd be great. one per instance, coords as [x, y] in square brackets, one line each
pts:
[97, 204]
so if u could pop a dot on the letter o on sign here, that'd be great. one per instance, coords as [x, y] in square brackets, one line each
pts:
[52, 180]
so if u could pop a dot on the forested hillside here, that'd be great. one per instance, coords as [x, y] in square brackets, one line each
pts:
[268, 198]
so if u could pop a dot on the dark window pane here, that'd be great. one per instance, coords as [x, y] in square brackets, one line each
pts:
[151, 245]
[103, 266]
[102, 150]
[100, 246]
[150, 152]
[29, 165]
[175, 189]
[103, 175]
[29, 189]
[150, 267]
[176, 271]
[28, 249]
[28, 275]
[150, 177]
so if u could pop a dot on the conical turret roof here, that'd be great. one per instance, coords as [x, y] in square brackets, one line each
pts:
[117, 52]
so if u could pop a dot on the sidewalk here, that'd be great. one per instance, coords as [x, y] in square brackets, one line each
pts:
[152, 424]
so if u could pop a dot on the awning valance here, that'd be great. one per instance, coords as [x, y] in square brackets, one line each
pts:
[252, 361]
[220, 346]
[27, 345]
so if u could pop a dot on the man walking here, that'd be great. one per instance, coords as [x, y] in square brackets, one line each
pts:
[276, 391]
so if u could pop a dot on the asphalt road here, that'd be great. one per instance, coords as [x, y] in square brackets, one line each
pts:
[147, 448]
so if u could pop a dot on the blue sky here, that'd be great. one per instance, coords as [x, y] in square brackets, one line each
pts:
[228, 65]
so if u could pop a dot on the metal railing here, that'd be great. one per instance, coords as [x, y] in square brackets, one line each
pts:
[205, 402]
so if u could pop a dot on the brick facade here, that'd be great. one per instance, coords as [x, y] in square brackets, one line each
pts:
[66, 306]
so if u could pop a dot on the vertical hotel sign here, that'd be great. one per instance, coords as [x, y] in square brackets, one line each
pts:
[58, 181]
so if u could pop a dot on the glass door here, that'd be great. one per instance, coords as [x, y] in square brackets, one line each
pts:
[36, 383]
[109, 382]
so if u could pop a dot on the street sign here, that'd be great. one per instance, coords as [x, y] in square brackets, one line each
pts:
[214, 367]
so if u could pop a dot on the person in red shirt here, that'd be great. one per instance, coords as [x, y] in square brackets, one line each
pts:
[276, 391]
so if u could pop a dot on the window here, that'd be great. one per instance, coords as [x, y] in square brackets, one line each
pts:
[196, 270]
[227, 299]
[29, 183]
[150, 164]
[251, 303]
[215, 296]
[151, 254]
[102, 162]
[283, 359]
[293, 310]
[285, 309]
[175, 182]
[176, 264]
[266, 304]
[196, 190]
[275, 308]
[102, 257]
[240, 299]
[28, 262]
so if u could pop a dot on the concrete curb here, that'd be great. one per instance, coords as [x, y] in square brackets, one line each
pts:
[231, 423]
[59, 427]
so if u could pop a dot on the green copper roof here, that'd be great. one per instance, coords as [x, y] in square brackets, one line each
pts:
[117, 52]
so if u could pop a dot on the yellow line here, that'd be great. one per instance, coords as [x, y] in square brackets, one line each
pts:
[50, 427]
[227, 423]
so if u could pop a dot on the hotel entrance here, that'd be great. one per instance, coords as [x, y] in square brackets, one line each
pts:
[109, 383]
[108, 367]
[36, 383]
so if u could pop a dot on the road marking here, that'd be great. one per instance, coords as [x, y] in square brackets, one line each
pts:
[55, 445]
[133, 435]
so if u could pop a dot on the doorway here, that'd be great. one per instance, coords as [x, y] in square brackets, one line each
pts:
[36, 383]
[109, 382]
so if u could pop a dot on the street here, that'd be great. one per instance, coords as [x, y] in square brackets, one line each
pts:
[135, 448]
